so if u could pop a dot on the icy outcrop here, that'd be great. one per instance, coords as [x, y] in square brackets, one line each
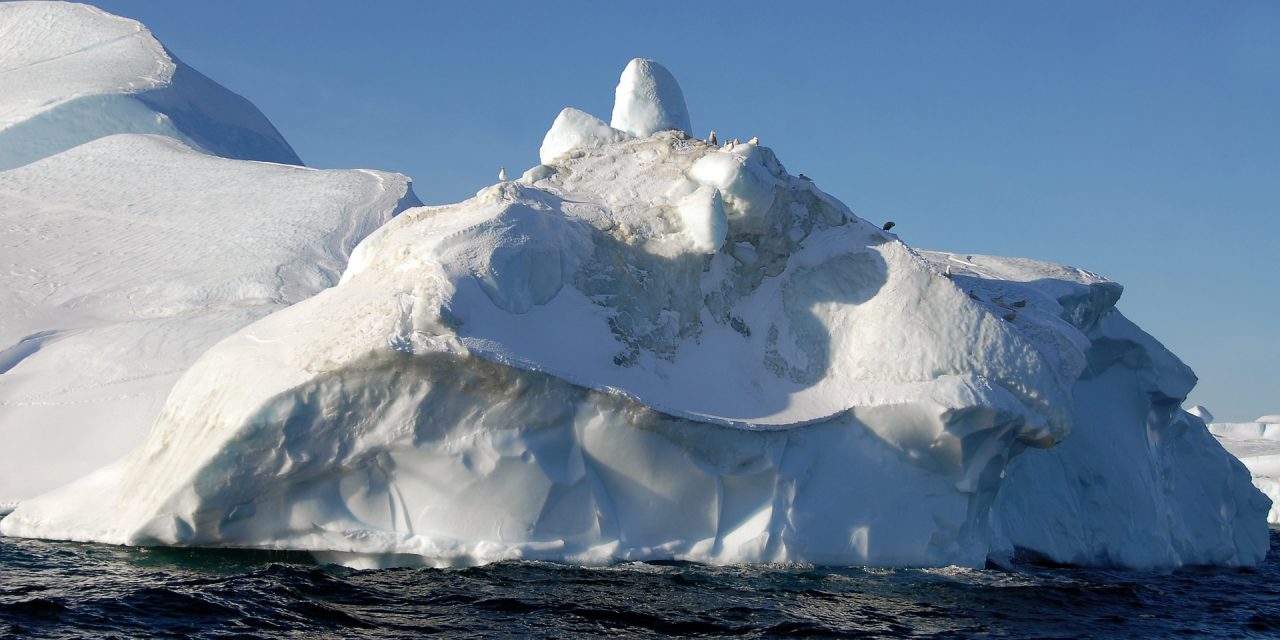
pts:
[656, 348]
[575, 129]
[74, 73]
[124, 256]
[648, 100]
[1257, 445]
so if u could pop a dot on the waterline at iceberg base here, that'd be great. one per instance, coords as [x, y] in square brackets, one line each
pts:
[653, 347]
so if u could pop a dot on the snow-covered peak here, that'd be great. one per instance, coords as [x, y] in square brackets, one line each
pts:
[73, 73]
[648, 100]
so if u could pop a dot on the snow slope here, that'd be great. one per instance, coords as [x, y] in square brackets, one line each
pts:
[651, 347]
[1257, 445]
[71, 73]
[124, 258]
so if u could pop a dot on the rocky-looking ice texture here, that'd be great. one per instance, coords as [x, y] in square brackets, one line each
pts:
[73, 73]
[1257, 445]
[652, 347]
[124, 258]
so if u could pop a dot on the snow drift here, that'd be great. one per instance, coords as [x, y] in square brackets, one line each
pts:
[651, 347]
[74, 73]
[124, 258]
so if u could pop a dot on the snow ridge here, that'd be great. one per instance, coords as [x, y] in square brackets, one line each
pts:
[74, 73]
[125, 254]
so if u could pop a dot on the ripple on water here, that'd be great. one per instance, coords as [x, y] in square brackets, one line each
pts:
[66, 590]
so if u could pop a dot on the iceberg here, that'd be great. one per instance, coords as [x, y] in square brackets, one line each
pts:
[649, 347]
[126, 256]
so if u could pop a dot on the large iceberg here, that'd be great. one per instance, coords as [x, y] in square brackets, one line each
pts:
[652, 347]
[124, 258]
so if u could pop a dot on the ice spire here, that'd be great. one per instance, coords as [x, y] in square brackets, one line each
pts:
[648, 99]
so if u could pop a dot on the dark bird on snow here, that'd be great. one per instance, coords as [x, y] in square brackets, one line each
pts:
[889, 225]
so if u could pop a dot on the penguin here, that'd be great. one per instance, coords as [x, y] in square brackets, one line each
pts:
[973, 296]
[947, 273]
[1008, 317]
[754, 140]
[889, 225]
[736, 142]
[711, 139]
[804, 177]
[502, 174]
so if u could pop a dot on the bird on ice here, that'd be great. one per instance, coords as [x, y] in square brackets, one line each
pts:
[754, 140]
[889, 225]
[502, 174]
[711, 139]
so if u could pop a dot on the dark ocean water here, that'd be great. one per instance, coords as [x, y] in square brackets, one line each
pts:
[62, 590]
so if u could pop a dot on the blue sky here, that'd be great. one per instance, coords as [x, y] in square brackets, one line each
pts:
[1139, 140]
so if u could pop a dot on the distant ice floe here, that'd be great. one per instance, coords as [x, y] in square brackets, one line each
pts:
[1257, 445]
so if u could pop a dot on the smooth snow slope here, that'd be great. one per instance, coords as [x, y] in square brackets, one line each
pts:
[651, 347]
[71, 73]
[124, 258]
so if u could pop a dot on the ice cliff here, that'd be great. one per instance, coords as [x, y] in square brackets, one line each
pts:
[124, 256]
[652, 347]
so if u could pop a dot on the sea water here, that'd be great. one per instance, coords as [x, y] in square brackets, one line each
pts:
[68, 590]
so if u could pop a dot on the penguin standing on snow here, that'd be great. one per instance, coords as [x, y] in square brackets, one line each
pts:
[711, 139]
[502, 174]
[754, 140]
[889, 225]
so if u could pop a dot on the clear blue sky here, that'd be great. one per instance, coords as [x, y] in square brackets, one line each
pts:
[1139, 140]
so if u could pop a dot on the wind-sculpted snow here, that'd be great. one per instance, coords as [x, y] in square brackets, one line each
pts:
[123, 257]
[73, 73]
[653, 347]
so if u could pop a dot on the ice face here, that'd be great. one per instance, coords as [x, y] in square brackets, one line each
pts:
[648, 100]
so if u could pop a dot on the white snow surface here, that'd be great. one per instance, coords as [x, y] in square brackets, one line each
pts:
[123, 259]
[71, 73]
[126, 249]
[582, 365]
[1257, 445]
